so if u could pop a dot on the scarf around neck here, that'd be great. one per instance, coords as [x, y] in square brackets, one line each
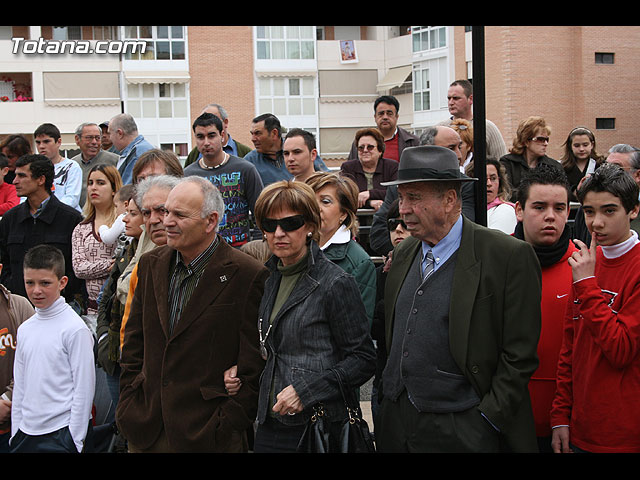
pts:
[548, 255]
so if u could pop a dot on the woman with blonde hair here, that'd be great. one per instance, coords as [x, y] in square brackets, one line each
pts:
[337, 197]
[465, 130]
[529, 149]
[92, 259]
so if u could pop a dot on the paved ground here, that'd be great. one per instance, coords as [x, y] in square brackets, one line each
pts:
[365, 403]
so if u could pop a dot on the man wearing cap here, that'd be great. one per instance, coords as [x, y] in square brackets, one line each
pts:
[106, 143]
[462, 322]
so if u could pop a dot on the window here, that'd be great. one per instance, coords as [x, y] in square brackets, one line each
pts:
[428, 38]
[605, 123]
[161, 100]
[180, 149]
[287, 96]
[290, 43]
[604, 58]
[105, 33]
[67, 33]
[163, 43]
[421, 89]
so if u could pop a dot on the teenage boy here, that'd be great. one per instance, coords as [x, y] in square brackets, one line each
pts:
[8, 196]
[596, 407]
[67, 181]
[54, 370]
[542, 210]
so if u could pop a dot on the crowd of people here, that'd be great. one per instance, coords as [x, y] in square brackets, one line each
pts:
[228, 302]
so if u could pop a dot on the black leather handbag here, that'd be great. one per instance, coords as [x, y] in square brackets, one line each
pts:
[347, 435]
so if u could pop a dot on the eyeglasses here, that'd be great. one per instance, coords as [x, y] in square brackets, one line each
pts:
[369, 148]
[540, 139]
[92, 137]
[393, 223]
[288, 224]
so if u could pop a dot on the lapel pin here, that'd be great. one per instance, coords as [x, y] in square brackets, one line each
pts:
[223, 278]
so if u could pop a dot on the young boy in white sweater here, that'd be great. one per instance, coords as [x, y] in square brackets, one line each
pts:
[54, 367]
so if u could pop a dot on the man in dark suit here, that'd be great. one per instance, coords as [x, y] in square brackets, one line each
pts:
[462, 322]
[193, 316]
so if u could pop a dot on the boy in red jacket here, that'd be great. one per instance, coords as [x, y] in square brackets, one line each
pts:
[597, 407]
[542, 210]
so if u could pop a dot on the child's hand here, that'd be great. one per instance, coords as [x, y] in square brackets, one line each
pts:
[583, 262]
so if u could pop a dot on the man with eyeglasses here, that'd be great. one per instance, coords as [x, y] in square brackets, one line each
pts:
[88, 137]
[386, 115]
[460, 103]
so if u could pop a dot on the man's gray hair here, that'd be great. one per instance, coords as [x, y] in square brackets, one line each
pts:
[165, 182]
[221, 110]
[428, 136]
[634, 157]
[80, 127]
[212, 201]
[124, 122]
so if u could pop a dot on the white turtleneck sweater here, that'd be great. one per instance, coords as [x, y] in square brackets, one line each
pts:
[54, 374]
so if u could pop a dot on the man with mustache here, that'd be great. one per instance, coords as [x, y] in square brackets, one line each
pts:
[386, 115]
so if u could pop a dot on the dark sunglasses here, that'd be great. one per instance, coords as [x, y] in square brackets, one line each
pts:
[369, 148]
[288, 224]
[540, 139]
[393, 223]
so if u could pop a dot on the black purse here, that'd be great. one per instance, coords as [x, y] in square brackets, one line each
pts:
[348, 435]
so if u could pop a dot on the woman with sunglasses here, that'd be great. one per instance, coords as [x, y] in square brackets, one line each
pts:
[529, 149]
[337, 197]
[370, 168]
[311, 319]
[580, 157]
[465, 130]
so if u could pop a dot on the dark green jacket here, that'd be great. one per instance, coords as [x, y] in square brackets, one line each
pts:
[494, 323]
[353, 259]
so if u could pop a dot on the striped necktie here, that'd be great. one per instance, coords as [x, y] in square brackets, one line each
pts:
[427, 265]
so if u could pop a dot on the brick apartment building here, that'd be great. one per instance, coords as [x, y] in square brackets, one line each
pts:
[571, 75]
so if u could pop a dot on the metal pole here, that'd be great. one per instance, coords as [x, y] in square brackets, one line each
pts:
[479, 124]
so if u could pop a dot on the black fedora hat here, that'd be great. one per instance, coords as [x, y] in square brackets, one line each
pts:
[428, 163]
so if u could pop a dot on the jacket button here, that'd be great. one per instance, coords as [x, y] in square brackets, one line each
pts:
[475, 369]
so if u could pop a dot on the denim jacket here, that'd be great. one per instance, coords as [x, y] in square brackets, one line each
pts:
[322, 324]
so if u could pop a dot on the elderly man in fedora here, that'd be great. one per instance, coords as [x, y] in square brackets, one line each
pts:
[462, 322]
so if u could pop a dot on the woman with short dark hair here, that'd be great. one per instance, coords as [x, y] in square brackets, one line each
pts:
[311, 320]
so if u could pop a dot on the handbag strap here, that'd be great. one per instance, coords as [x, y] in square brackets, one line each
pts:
[348, 394]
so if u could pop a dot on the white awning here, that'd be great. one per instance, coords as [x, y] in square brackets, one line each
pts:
[157, 77]
[394, 78]
[81, 88]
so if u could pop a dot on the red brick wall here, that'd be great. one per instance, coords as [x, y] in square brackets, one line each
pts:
[221, 69]
[551, 71]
